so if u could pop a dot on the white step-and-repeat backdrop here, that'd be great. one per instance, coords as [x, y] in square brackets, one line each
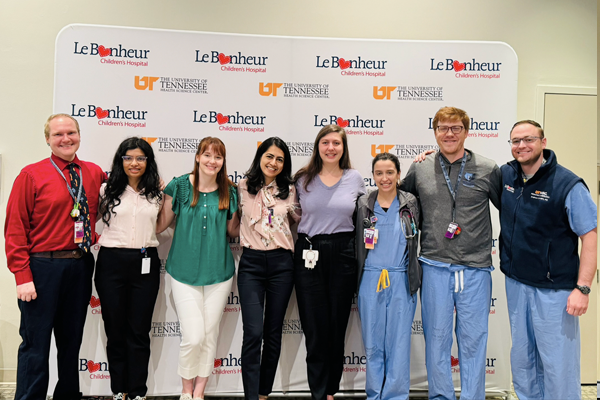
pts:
[174, 88]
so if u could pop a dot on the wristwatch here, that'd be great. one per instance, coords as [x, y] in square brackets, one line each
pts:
[584, 289]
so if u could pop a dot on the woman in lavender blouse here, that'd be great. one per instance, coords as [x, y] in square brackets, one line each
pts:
[325, 265]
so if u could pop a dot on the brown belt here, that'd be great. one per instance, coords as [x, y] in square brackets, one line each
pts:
[77, 253]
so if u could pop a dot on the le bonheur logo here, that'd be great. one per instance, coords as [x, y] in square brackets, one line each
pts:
[493, 305]
[174, 85]
[409, 93]
[454, 364]
[353, 67]
[133, 57]
[402, 151]
[251, 123]
[228, 365]
[483, 129]
[468, 69]
[257, 63]
[295, 90]
[95, 369]
[95, 304]
[125, 118]
[353, 126]
[355, 363]
[233, 303]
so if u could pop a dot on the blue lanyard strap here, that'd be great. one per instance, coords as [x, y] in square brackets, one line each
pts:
[454, 192]
[78, 199]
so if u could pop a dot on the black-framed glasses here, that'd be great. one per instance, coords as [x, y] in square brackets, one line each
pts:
[456, 129]
[140, 159]
[526, 139]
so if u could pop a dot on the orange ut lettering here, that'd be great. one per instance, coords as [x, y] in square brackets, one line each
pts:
[266, 89]
[383, 92]
[381, 148]
[145, 82]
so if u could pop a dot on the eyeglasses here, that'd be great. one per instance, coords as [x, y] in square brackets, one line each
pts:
[455, 129]
[526, 139]
[139, 159]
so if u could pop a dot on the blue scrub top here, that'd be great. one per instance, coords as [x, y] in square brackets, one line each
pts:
[390, 252]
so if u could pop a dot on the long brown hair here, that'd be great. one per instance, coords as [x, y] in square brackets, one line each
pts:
[223, 181]
[315, 164]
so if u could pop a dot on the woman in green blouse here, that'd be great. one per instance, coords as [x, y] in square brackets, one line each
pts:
[200, 262]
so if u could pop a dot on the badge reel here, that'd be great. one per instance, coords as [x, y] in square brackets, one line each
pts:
[78, 228]
[370, 233]
[145, 262]
[310, 256]
[453, 230]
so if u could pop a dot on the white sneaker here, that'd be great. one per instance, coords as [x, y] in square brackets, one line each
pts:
[185, 396]
[119, 396]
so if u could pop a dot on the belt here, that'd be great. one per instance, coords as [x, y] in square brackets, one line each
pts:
[77, 253]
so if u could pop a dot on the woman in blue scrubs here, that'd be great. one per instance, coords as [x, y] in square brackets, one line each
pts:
[389, 277]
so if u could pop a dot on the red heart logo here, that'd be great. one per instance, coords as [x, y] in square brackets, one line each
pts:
[217, 362]
[100, 113]
[344, 64]
[221, 119]
[103, 51]
[453, 361]
[223, 59]
[93, 367]
[342, 122]
[94, 302]
[458, 66]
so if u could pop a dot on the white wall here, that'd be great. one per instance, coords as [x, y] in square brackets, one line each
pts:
[554, 40]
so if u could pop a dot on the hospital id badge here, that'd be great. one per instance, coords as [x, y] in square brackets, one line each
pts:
[146, 265]
[370, 238]
[78, 231]
[310, 258]
[451, 230]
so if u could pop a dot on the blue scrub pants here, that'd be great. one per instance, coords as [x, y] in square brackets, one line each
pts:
[472, 303]
[545, 352]
[386, 319]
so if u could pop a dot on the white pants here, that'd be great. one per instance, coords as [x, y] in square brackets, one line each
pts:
[199, 309]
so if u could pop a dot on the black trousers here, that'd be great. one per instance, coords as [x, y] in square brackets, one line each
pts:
[127, 297]
[324, 297]
[263, 275]
[64, 288]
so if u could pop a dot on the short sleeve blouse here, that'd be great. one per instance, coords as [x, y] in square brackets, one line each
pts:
[200, 254]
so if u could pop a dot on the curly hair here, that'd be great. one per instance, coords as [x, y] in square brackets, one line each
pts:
[117, 181]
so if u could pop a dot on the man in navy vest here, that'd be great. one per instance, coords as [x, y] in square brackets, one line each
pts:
[545, 209]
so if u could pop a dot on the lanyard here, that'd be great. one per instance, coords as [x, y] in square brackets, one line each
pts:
[455, 191]
[76, 200]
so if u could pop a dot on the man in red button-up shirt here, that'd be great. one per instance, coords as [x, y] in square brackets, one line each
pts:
[53, 274]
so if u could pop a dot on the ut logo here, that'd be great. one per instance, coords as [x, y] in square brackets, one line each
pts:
[383, 92]
[267, 89]
[145, 82]
[381, 148]
[149, 140]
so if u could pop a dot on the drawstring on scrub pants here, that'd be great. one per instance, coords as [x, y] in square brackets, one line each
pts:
[384, 280]
[459, 275]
